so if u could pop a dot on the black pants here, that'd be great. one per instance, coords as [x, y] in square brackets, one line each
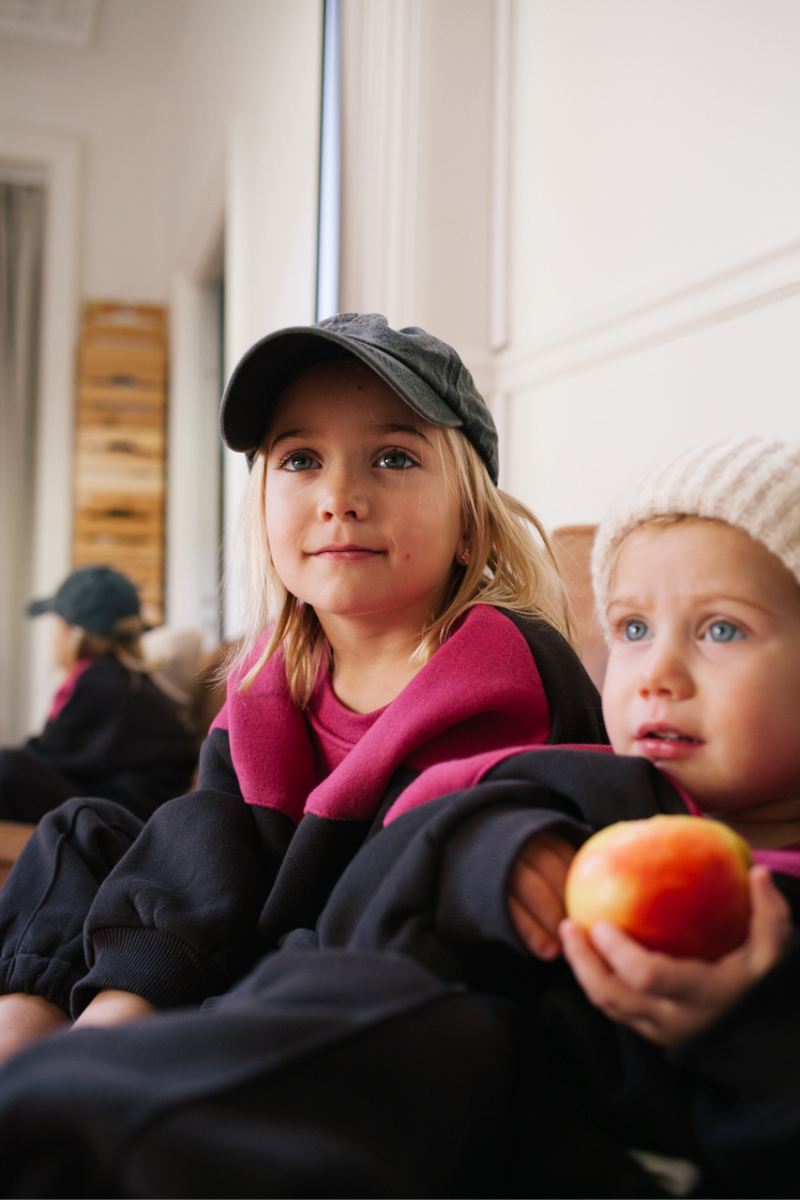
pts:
[322, 1074]
[329, 1075]
[45, 900]
[30, 787]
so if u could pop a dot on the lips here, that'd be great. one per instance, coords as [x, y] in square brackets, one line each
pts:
[350, 552]
[659, 740]
[661, 734]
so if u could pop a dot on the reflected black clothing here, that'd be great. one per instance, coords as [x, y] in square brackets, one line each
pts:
[118, 736]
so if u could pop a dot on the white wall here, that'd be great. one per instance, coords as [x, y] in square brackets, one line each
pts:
[111, 97]
[244, 103]
[653, 283]
[598, 203]
[416, 105]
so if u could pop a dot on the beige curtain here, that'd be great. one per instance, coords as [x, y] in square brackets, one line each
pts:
[21, 244]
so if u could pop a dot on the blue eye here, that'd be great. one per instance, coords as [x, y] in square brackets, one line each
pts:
[723, 631]
[298, 460]
[395, 460]
[634, 631]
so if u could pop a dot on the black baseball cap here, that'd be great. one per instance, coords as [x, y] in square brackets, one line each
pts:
[424, 371]
[93, 598]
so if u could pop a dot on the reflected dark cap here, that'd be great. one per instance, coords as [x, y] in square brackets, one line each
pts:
[424, 371]
[93, 598]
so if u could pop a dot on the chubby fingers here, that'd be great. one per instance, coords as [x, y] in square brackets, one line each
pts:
[537, 936]
[536, 893]
[639, 968]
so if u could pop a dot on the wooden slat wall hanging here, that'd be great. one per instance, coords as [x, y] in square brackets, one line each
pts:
[120, 445]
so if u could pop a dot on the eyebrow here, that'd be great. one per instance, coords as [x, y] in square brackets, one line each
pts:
[392, 427]
[290, 433]
[703, 598]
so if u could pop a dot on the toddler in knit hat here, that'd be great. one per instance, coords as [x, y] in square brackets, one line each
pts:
[697, 580]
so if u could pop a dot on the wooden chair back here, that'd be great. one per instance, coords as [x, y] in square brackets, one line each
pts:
[13, 836]
[573, 549]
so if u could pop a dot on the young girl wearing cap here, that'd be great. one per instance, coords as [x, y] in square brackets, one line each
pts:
[401, 614]
[111, 731]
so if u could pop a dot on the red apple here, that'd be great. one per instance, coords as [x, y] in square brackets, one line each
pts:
[675, 884]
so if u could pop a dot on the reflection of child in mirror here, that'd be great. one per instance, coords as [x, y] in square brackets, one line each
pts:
[111, 730]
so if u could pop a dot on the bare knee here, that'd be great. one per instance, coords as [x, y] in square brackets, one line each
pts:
[25, 1019]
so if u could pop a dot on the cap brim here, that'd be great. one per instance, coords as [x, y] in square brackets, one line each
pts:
[37, 607]
[262, 375]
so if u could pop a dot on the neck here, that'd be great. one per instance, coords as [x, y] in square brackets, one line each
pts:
[371, 664]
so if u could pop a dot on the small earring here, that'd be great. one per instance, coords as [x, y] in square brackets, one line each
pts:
[463, 558]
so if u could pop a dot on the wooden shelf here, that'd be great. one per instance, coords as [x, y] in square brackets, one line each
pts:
[120, 445]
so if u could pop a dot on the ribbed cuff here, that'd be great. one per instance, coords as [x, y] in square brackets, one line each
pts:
[477, 867]
[158, 966]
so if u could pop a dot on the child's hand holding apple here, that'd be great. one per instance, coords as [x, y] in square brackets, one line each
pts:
[672, 924]
[667, 999]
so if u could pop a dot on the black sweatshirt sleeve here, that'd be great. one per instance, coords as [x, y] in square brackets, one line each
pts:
[118, 736]
[176, 921]
[433, 883]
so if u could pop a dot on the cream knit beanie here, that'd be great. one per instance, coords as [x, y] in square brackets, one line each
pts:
[749, 482]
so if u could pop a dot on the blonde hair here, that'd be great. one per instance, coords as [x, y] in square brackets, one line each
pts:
[121, 642]
[511, 565]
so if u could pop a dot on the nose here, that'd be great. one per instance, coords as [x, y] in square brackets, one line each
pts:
[342, 495]
[665, 671]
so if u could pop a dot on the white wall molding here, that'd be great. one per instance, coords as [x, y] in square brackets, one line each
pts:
[240, 321]
[58, 157]
[381, 62]
[193, 474]
[747, 281]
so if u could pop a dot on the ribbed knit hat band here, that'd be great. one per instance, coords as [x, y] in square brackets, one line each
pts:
[750, 482]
